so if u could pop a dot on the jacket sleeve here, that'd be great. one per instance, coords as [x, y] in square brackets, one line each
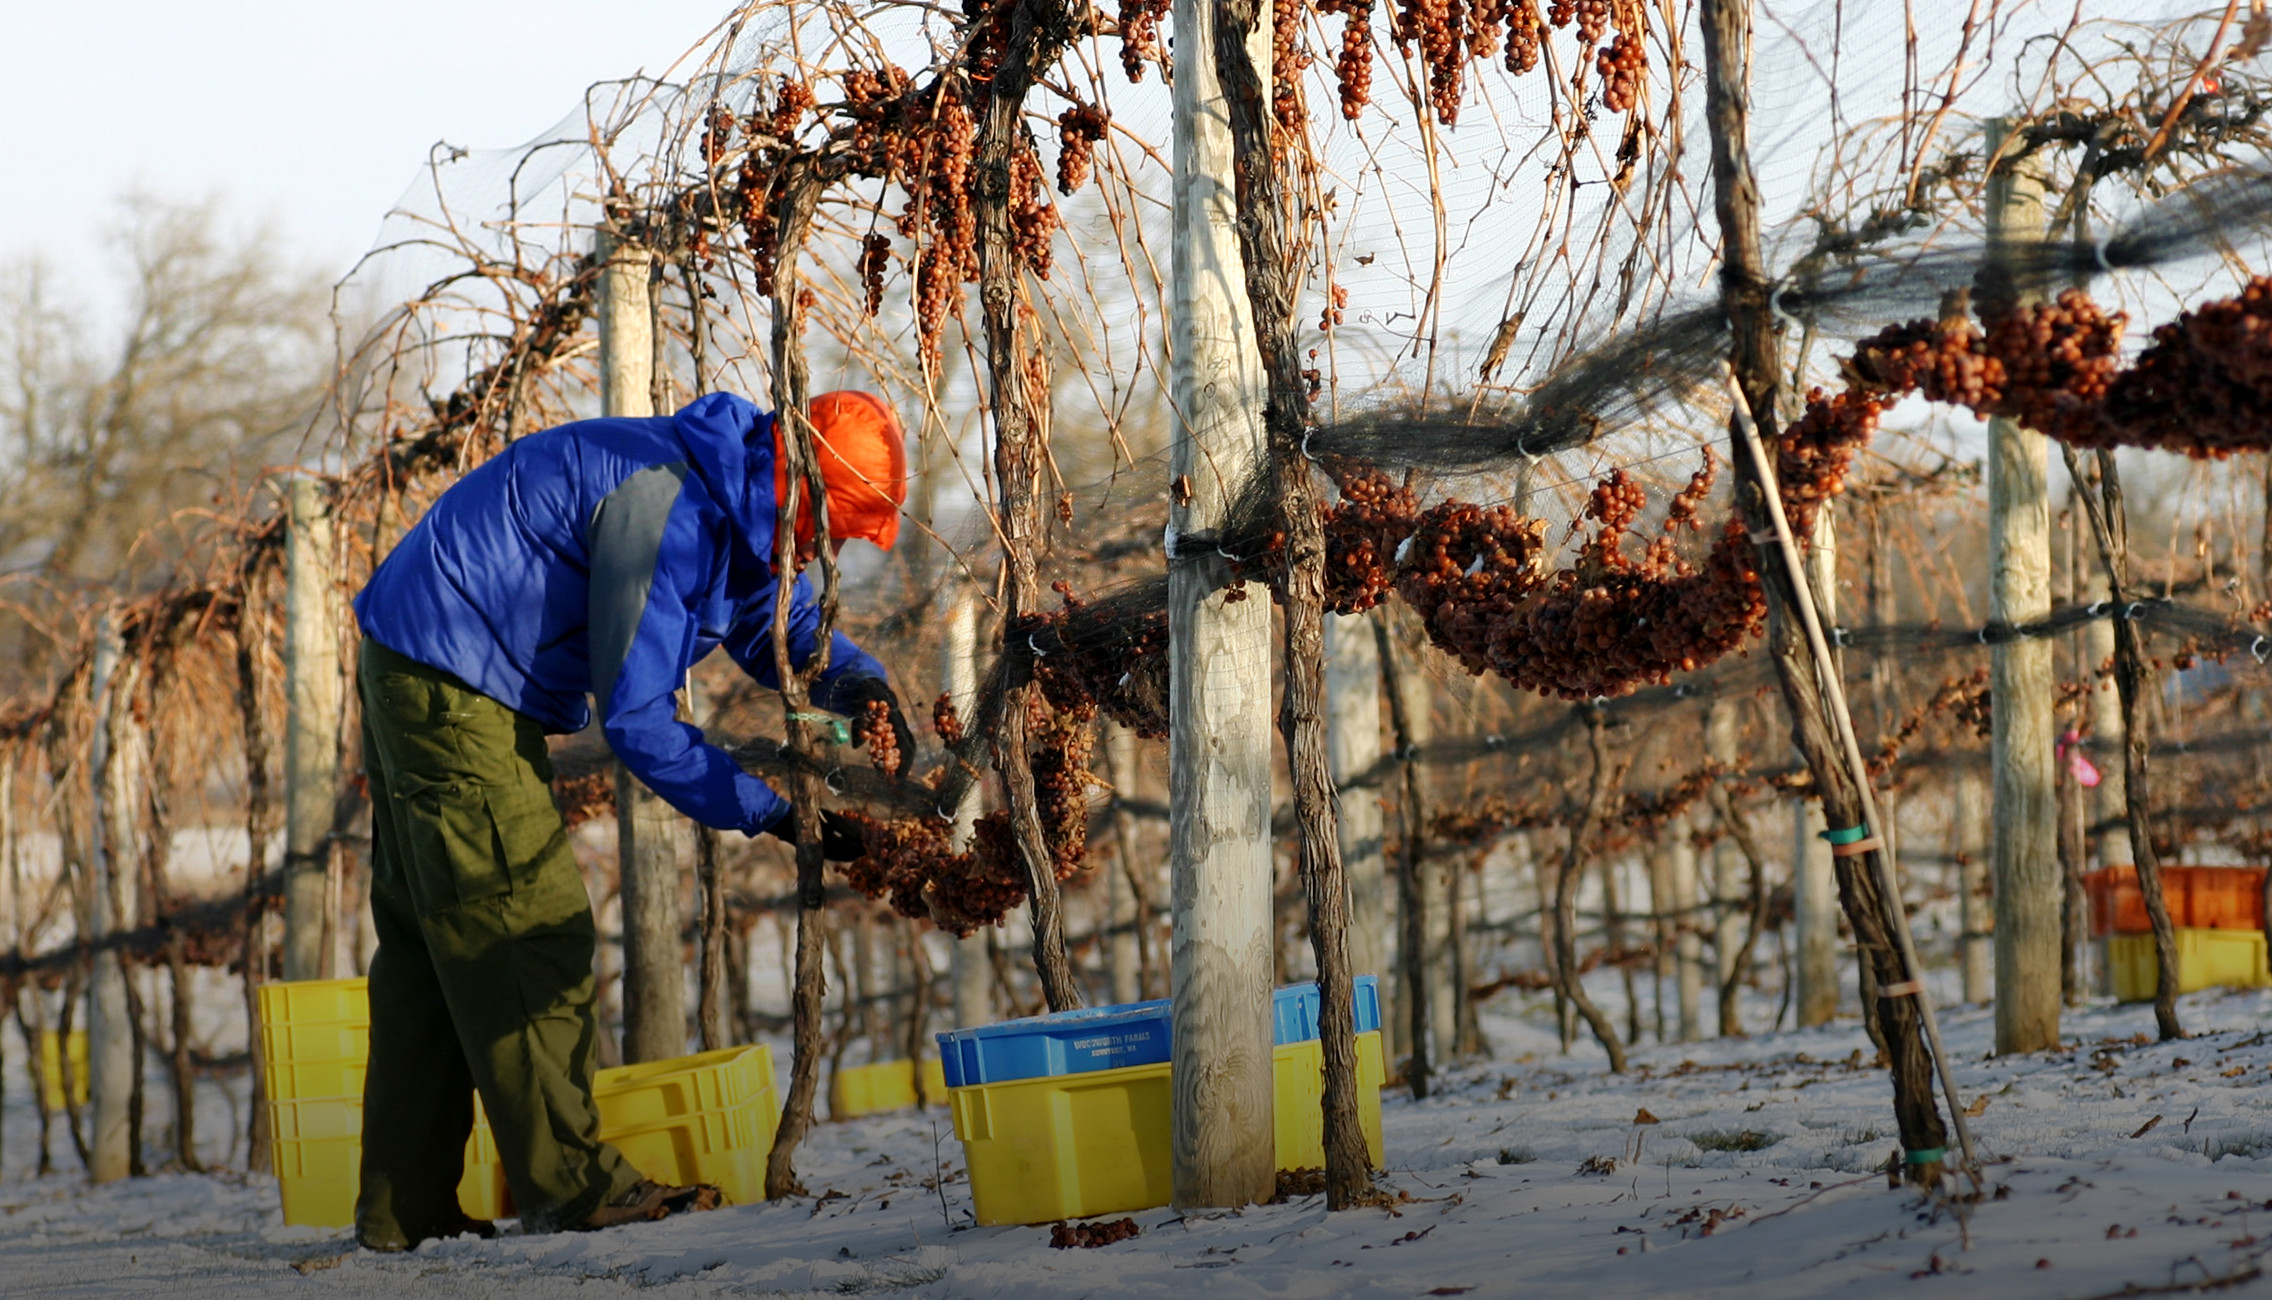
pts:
[652, 558]
[751, 644]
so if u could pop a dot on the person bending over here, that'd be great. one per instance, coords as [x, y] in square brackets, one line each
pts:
[605, 557]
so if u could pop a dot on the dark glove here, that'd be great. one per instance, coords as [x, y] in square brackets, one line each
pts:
[840, 836]
[853, 698]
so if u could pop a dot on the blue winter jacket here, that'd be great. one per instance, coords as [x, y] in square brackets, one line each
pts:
[609, 556]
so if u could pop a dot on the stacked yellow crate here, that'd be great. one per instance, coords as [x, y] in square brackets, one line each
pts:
[1052, 1127]
[314, 1038]
[857, 1090]
[705, 1118]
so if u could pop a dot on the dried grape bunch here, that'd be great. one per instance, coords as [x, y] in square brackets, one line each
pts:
[1524, 32]
[1353, 65]
[584, 796]
[1060, 743]
[883, 743]
[945, 721]
[875, 255]
[1101, 655]
[1593, 20]
[1140, 36]
[1363, 533]
[2204, 385]
[1621, 64]
[1560, 12]
[1078, 130]
[1436, 25]
[1289, 60]
[1089, 1236]
[1033, 218]
[1814, 454]
[1483, 20]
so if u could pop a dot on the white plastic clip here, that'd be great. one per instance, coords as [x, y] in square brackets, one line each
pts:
[2099, 607]
[1038, 652]
[2261, 648]
[2098, 251]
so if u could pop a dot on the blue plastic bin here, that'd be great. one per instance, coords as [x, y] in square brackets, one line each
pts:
[1110, 1038]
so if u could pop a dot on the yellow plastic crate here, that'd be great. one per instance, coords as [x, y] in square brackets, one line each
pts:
[51, 1068]
[885, 1085]
[317, 1038]
[1299, 1110]
[707, 1118]
[2205, 959]
[1078, 1145]
[317, 1152]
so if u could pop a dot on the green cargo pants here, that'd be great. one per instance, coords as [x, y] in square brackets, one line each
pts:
[483, 976]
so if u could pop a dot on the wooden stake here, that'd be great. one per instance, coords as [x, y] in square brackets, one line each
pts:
[111, 1058]
[650, 837]
[1817, 903]
[1353, 739]
[312, 711]
[1219, 665]
[2030, 893]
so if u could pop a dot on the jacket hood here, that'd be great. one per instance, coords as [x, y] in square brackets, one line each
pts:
[729, 446]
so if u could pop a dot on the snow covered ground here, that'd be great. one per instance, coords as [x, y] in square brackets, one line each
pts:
[2119, 1163]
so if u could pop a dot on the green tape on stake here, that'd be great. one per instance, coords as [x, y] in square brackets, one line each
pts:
[1928, 1156]
[838, 731]
[1850, 835]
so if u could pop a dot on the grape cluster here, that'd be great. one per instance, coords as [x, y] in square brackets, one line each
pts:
[2203, 387]
[945, 721]
[1363, 533]
[1593, 20]
[1089, 1236]
[1436, 26]
[1621, 63]
[1814, 454]
[1353, 66]
[1078, 130]
[1525, 31]
[875, 255]
[1033, 218]
[1289, 60]
[1140, 37]
[1098, 657]
[883, 742]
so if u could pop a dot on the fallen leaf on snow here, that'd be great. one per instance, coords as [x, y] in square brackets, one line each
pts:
[2147, 1127]
[1642, 1116]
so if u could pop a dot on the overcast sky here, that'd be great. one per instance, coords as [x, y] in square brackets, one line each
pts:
[313, 115]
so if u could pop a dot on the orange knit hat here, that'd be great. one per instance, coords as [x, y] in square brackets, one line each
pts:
[863, 461]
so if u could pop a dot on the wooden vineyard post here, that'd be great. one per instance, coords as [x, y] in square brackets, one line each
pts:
[649, 835]
[1817, 905]
[312, 706]
[1976, 939]
[1812, 694]
[1412, 837]
[1123, 953]
[1219, 669]
[2030, 891]
[1815, 883]
[970, 970]
[1353, 739]
[111, 1056]
[1730, 882]
[1265, 157]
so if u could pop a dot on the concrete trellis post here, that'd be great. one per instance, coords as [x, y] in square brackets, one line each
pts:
[312, 705]
[1219, 746]
[2030, 888]
[652, 841]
